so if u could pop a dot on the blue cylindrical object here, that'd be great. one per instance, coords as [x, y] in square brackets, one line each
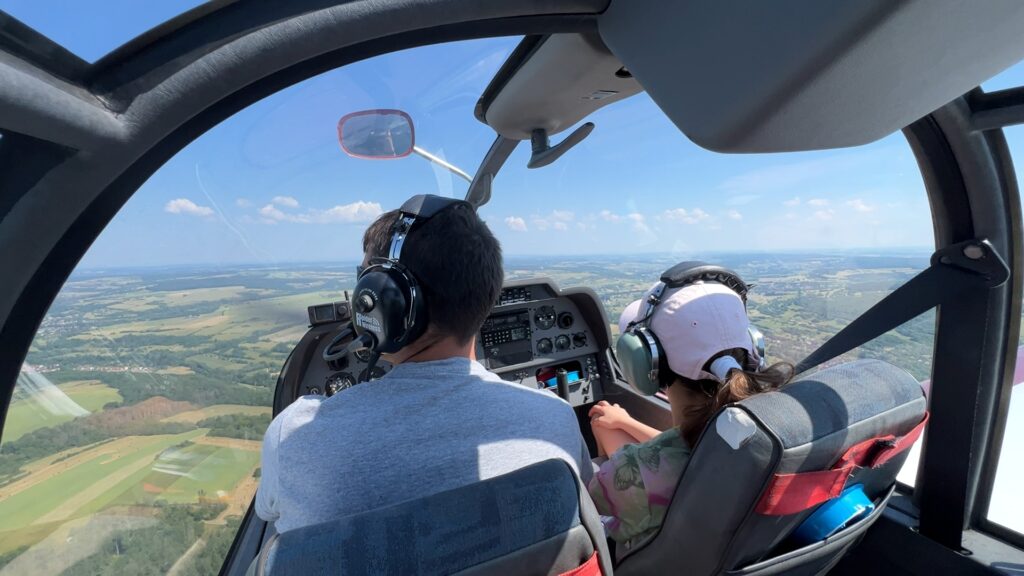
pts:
[834, 515]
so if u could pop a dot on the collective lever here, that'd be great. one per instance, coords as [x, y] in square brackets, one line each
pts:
[562, 379]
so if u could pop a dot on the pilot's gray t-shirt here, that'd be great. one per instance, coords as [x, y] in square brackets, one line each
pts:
[423, 428]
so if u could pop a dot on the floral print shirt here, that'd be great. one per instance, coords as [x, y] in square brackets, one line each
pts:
[635, 485]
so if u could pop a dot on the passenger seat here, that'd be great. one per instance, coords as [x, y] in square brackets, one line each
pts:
[763, 465]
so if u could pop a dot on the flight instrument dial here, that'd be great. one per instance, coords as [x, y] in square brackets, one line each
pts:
[377, 372]
[337, 382]
[544, 346]
[544, 318]
[562, 342]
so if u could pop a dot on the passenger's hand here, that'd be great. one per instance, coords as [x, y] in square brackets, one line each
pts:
[611, 416]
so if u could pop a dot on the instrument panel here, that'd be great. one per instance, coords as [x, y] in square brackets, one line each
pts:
[535, 330]
[313, 375]
[536, 335]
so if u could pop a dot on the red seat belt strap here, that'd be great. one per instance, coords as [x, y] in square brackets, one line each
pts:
[792, 493]
[589, 568]
[898, 445]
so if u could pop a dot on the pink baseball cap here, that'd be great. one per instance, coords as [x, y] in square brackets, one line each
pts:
[694, 324]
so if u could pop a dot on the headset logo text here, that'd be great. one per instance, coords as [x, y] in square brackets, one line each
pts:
[368, 322]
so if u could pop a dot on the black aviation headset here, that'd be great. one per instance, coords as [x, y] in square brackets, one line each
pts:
[642, 358]
[389, 308]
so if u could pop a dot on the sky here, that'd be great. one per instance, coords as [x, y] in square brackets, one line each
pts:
[272, 185]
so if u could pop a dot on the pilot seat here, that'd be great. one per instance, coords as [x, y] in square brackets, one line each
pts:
[536, 521]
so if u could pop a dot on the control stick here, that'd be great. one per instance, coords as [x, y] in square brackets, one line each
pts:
[562, 379]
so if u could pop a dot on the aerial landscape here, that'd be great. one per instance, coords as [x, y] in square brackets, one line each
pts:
[132, 442]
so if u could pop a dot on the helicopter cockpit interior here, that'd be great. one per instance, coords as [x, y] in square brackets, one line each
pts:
[135, 395]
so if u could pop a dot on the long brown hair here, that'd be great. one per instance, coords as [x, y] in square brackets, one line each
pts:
[707, 397]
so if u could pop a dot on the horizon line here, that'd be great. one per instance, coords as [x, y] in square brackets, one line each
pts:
[914, 250]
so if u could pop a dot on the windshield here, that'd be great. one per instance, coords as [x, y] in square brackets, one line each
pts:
[132, 443]
[92, 29]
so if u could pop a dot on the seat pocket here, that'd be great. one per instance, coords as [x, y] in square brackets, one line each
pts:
[819, 557]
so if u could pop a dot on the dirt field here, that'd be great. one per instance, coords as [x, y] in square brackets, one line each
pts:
[193, 416]
[235, 443]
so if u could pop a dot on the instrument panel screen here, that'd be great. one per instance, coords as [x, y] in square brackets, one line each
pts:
[506, 328]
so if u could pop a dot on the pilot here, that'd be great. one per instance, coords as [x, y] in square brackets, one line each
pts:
[438, 420]
[702, 331]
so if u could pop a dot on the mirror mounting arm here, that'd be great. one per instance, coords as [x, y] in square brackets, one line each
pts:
[479, 192]
[443, 163]
[544, 153]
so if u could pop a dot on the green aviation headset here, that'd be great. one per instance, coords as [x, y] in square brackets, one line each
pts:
[642, 358]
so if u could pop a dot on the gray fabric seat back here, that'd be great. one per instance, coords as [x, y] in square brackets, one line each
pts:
[534, 521]
[712, 526]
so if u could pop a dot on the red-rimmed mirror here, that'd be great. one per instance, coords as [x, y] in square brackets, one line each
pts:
[381, 134]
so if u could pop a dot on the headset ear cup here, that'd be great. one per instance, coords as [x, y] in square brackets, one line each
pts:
[634, 357]
[381, 305]
[416, 313]
[759, 361]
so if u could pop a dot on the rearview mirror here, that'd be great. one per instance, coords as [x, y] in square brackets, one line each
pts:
[377, 134]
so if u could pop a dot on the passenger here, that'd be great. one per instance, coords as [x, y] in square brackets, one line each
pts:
[438, 420]
[633, 488]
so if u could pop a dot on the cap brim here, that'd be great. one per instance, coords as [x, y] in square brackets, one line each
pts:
[628, 315]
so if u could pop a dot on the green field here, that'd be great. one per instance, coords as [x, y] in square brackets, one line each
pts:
[183, 475]
[137, 471]
[28, 414]
[77, 490]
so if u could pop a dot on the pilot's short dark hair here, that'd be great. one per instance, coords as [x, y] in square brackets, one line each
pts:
[457, 261]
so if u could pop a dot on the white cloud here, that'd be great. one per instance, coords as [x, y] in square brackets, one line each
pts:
[859, 205]
[186, 206]
[792, 201]
[350, 213]
[609, 216]
[686, 216]
[356, 212]
[286, 201]
[272, 212]
[639, 222]
[817, 202]
[242, 202]
[826, 214]
[557, 219]
[515, 223]
[734, 215]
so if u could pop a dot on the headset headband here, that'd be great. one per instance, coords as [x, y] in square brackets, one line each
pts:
[692, 271]
[684, 274]
[417, 209]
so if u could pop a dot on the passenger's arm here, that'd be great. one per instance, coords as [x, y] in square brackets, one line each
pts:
[615, 417]
[609, 440]
[637, 429]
